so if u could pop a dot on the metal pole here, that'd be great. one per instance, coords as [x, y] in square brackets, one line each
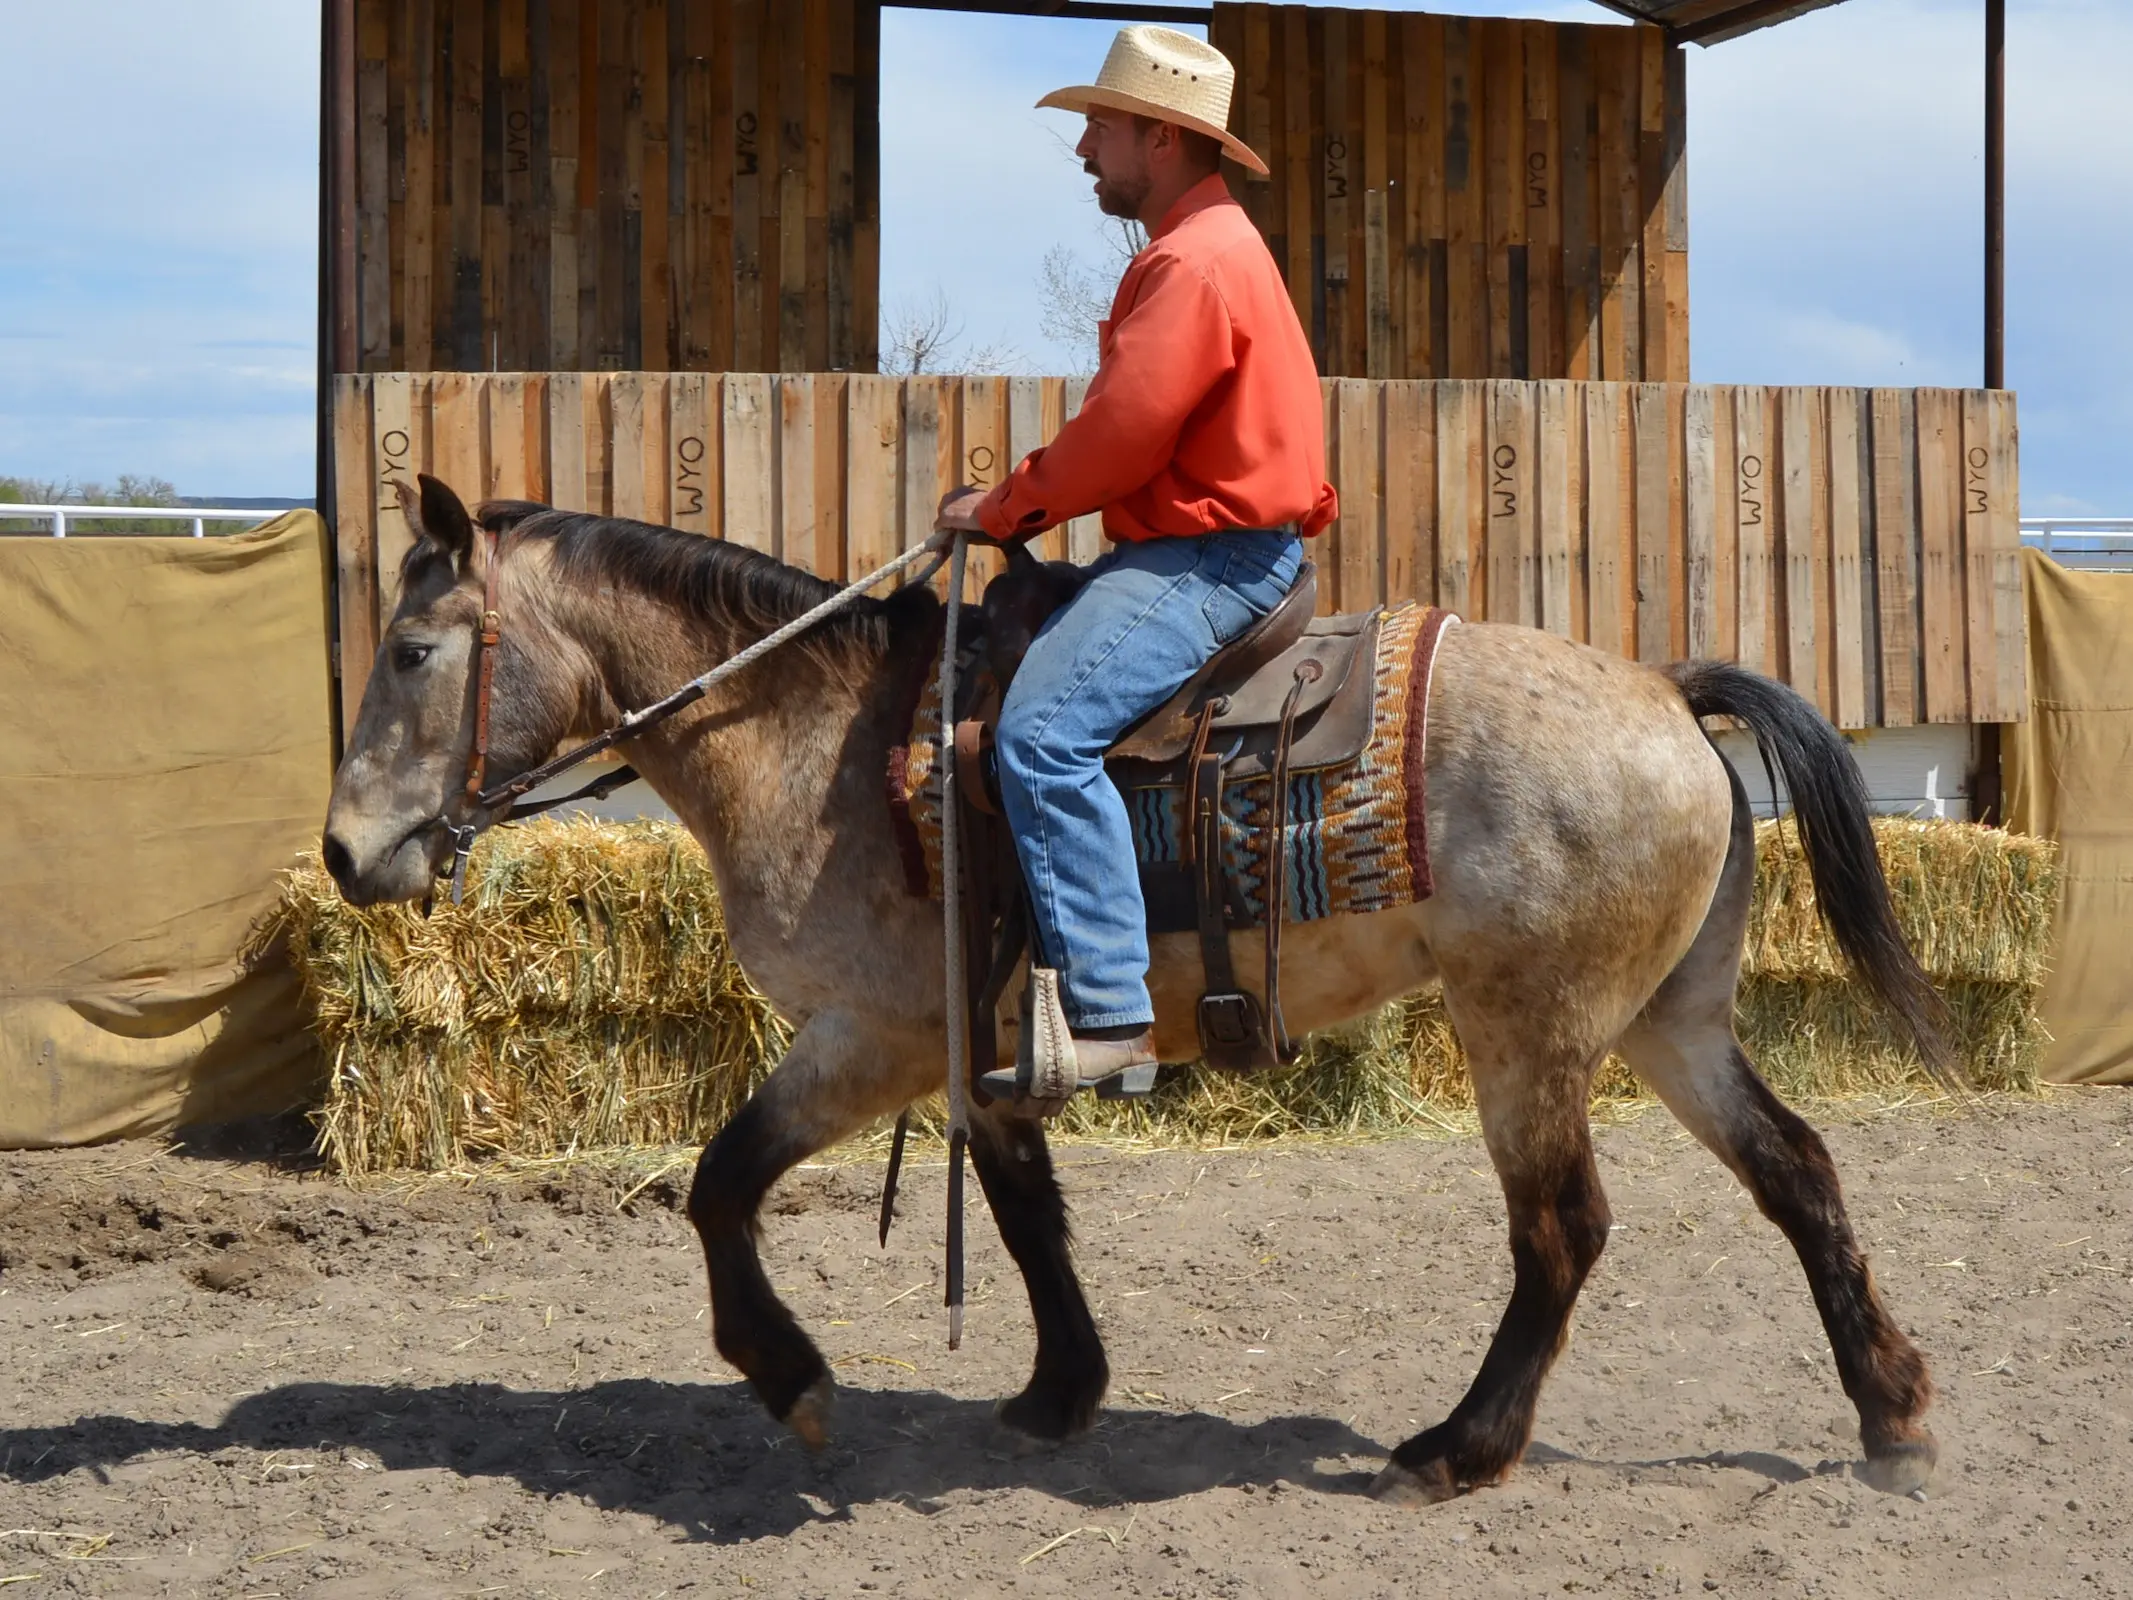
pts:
[1995, 194]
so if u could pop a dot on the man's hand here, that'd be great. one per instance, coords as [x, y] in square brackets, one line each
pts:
[959, 510]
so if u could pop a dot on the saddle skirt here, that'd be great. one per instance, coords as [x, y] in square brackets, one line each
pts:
[1357, 834]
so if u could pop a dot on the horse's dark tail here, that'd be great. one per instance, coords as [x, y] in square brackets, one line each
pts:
[1829, 805]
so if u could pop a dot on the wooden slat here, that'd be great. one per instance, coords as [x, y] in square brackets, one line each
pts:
[1560, 433]
[1543, 202]
[1423, 91]
[522, 346]
[1704, 495]
[874, 489]
[1725, 524]
[623, 394]
[1513, 534]
[843, 182]
[1621, 244]
[1255, 74]
[416, 254]
[723, 139]
[1676, 160]
[748, 465]
[1503, 120]
[929, 437]
[831, 555]
[1610, 518]
[1851, 616]
[1410, 506]
[1377, 260]
[1991, 542]
[791, 231]
[564, 100]
[752, 142]
[1085, 535]
[658, 348]
[1339, 171]
[566, 441]
[694, 479]
[799, 523]
[1656, 453]
[1461, 423]
[1755, 522]
[399, 449]
[514, 470]
[815, 197]
[1359, 453]
[1465, 210]
[1797, 526]
[866, 205]
[983, 459]
[355, 541]
[1581, 240]
[1940, 567]
[372, 196]
[2009, 620]
[1895, 547]
[656, 450]
[1651, 198]
[1026, 431]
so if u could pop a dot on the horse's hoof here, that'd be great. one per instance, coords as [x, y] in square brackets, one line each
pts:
[1048, 1415]
[1904, 1467]
[810, 1414]
[1403, 1486]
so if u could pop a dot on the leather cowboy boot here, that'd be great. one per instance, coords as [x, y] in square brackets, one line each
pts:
[1051, 1063]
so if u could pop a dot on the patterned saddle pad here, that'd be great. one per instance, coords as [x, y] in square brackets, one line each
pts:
[1358, 840]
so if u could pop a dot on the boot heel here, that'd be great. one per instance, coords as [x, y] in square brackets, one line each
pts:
[1135, 1083]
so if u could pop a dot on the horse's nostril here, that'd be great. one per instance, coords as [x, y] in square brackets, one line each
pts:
[339, 860]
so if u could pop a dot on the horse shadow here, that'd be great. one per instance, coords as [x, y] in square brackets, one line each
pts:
[706, 1460]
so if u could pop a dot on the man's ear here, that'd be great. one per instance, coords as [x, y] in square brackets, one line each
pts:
[442, 518]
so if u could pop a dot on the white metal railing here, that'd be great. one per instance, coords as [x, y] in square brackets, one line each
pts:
[198, 516]
[2096, 543]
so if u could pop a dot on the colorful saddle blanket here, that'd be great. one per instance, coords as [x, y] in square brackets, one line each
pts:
[1358, 840]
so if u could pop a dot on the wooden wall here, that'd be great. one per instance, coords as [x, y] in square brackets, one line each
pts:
[617, 184]
[1858, 544]
[1457, 197]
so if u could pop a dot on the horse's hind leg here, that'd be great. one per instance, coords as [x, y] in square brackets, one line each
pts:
[834, 1079]
[1532, 1096]
[1068, 1383]
[1683, 1045]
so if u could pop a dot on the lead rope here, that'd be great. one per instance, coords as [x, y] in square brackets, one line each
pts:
[958, 1000]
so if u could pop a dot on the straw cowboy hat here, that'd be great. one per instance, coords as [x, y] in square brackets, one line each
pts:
[1167, 75]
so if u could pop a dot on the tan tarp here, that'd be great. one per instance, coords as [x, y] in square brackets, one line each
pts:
[167, 752]
[2069, 775]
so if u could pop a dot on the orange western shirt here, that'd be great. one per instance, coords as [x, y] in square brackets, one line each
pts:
[1204, 413]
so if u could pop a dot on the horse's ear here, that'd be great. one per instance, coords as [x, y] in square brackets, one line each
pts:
[444, 519]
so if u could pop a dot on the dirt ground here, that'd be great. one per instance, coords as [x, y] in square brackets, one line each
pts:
[227, 1378]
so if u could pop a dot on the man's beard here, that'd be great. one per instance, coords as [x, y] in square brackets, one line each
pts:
[1118, 197]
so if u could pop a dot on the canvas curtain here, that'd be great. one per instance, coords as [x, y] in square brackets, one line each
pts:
[2069, 775]
[167, 752]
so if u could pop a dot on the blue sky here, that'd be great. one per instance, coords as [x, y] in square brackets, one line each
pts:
[158, 217]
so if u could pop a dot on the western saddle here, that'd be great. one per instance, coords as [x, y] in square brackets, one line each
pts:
[1294, 693]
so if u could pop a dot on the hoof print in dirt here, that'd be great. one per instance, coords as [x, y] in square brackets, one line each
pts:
[262, 1274]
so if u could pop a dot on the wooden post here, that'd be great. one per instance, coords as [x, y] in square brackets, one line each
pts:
[1995, 194]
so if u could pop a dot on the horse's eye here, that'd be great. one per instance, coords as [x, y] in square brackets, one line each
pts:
[407, 657]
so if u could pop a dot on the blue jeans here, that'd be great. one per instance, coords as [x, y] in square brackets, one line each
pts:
[1149, 617]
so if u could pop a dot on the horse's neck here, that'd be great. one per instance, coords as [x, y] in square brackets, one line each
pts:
[751, 767]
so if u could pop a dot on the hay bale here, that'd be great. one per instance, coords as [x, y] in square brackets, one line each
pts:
[586, 997]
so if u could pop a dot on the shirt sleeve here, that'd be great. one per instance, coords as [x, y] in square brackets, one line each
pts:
[1165, 354]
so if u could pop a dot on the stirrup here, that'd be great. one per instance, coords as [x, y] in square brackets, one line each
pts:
[1047, 1068]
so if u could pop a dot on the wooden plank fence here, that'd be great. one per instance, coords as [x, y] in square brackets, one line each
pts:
[654, 184]
[1469, 197]
[1861, 545]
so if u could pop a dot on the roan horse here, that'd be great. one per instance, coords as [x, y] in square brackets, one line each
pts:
[1593, 857]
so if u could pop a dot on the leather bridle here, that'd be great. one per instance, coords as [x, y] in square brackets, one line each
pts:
[511, 793]
[488, 637]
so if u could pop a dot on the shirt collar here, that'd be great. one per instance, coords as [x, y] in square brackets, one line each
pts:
[1209, 191]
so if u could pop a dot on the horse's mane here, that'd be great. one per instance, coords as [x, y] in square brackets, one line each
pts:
[708, 580]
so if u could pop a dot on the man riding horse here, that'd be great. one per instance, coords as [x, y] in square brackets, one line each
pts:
[1202, 443]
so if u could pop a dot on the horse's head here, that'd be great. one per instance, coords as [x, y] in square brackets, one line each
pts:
[402, 790]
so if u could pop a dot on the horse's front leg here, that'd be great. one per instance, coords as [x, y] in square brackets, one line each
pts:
[1067, 1386]
[837, 1076]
